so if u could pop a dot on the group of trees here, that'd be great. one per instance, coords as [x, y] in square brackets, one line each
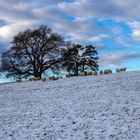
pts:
[35, 51]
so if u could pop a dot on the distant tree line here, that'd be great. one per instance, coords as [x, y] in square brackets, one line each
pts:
[35, 51]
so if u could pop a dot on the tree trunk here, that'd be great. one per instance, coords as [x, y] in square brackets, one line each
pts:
[76, 69]
[83, 68]
[37, 74]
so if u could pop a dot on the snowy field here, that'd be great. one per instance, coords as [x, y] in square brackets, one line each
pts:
[78, 108]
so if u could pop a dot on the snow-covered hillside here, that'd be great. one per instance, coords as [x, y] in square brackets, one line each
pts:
[78, 108]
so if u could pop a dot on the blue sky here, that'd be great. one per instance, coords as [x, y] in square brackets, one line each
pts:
[113, 26]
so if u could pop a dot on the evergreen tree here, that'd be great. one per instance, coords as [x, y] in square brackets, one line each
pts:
[78, 59]
[89, 59]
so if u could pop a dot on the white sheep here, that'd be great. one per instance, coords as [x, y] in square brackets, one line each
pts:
[95, 73]
[108, 71]
[121, 69]
[89, 73]
[38, 78]
[82, 74]
[53, 78]
[18, 80]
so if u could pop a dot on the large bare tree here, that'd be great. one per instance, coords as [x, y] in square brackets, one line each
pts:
[33, 52]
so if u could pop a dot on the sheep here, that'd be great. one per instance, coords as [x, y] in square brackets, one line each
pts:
[82, 74]
[89, 73]
[95, 73]
[53, 78]
[108, 71]
[43, 79]
[38, 78]
[101, 72]
[18, 80]
[121, 69]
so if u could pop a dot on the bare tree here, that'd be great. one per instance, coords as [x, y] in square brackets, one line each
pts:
[33, 52]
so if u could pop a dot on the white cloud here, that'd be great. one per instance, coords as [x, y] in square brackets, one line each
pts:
[8, 31]
[23, 14]
[16, 13]
[135, 26]
[115, 59]
[98, 38]
[115, 9]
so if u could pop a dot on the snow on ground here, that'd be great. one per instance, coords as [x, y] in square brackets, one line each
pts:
[78, 108]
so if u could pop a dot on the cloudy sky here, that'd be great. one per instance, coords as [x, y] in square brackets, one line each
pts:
[113, 26]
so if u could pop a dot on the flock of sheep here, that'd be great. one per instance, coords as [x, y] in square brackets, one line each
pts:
[108, 71]
[95, 73]
[43, 79]
[102, 72]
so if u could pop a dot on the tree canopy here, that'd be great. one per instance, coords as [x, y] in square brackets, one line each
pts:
[33, 52]
[79, 59]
